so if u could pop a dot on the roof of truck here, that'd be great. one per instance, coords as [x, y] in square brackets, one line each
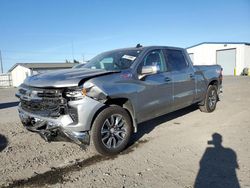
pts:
[145, 48]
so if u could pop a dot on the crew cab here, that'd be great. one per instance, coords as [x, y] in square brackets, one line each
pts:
[102, 102]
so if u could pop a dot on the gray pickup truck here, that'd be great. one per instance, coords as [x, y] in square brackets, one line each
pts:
[102, 102]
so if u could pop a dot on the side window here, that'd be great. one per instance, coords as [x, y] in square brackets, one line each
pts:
[154, 58]
[176, 60]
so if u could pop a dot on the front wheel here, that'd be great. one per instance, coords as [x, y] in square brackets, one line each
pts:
[210, 100]
[111, 130]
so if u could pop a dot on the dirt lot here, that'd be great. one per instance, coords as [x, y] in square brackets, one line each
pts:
[169, 151]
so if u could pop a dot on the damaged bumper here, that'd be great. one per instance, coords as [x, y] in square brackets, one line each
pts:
[63, 128]
[52, 129]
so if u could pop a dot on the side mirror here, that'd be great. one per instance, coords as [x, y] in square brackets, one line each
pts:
[148, 70]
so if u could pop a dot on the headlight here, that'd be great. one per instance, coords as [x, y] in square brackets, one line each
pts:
[79, 92]
[76, 94]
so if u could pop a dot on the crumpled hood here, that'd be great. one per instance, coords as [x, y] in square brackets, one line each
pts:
[63, 78]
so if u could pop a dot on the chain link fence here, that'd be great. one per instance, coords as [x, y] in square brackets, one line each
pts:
[5, 80]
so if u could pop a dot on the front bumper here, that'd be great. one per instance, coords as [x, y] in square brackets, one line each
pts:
[52, 129]
[63, 128]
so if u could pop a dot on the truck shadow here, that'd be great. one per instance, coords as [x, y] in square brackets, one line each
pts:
[217, 166]
[148, 126]
[8, 105]
[3, 142]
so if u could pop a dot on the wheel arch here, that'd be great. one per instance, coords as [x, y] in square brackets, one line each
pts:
[213, 82]
[122, 102]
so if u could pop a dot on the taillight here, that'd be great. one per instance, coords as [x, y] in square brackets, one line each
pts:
[221, 76]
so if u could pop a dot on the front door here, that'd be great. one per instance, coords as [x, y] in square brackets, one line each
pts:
[155, 97]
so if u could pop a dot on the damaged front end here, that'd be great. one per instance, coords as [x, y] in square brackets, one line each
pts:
[57, 114]
[52, 130]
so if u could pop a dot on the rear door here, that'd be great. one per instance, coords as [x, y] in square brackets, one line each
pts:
[183, 78]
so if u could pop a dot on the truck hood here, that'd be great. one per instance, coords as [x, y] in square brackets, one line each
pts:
[63, 78]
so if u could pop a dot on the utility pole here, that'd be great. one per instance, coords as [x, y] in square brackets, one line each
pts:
[83, 59]
[1, 61]
[72, 48]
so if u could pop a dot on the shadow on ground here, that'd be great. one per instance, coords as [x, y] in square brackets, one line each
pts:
[217, 166]
[148, 126]
[3, 142]
[57, 175]
[8, 105]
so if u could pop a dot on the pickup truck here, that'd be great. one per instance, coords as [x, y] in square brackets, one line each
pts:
[101, 103]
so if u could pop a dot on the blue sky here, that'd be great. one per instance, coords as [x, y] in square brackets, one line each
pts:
[55, 30]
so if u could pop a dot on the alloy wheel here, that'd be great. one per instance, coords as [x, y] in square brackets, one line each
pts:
[113, 131]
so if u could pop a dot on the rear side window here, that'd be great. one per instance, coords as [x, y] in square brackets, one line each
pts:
[176, 60]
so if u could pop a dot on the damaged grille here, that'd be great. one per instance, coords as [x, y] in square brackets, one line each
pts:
[45, 102]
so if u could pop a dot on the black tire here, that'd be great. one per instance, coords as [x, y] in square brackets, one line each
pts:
[108, 136]
[210, 100]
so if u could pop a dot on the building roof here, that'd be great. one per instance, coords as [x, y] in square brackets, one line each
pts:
[44, 65]
[245, 43]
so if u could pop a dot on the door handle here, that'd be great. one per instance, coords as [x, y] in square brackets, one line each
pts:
[167, 79]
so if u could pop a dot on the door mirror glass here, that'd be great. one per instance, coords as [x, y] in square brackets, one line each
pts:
[149, 69]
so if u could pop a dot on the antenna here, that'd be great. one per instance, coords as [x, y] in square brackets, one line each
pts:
[138, 45]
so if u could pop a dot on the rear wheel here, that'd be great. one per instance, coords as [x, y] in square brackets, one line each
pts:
[210, 100]
[111, 130]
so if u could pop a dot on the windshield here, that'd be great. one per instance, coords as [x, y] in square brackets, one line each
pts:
[78, 66]
[115, 60]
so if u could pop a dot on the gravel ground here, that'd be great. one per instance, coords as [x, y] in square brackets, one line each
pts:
[169, 151]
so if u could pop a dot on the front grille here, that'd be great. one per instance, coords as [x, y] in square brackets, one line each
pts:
[50, 94]
[45, 102]
[42, 107]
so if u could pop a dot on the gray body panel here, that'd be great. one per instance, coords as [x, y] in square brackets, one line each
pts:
[62, 78]
[147, 98]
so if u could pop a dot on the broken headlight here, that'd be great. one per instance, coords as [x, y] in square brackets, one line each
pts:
[75, 94]
[78, 92]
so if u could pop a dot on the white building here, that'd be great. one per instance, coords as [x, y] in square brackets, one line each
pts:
[232, 56]
[20, 71]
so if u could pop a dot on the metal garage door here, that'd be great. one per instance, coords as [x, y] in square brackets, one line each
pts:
[227, 59]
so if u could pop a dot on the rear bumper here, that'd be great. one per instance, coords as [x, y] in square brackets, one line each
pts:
[220, 89]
